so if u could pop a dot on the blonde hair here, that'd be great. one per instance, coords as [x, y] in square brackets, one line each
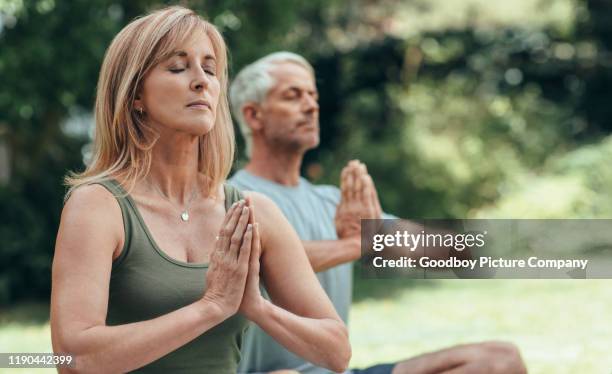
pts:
[123, 141]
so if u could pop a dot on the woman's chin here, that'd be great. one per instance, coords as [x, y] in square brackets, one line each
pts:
[199, 129]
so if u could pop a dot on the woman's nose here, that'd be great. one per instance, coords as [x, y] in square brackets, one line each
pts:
[200, 80]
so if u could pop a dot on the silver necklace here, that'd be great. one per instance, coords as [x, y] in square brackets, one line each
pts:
[185, 212]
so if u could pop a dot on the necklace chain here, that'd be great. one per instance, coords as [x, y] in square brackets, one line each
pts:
[184, 212]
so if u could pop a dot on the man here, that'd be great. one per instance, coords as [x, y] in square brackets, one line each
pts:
[275, 102]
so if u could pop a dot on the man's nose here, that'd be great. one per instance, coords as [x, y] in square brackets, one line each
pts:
[310, 103]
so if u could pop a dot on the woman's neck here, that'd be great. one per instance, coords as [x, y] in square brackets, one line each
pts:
[174, 167]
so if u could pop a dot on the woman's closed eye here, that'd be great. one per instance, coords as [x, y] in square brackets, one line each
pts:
[207, 69]
[210, 70]
[176, 69]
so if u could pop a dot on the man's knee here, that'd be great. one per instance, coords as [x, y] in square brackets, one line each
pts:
[504, 358]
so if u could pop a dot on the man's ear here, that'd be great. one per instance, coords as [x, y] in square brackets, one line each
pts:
[253, 116]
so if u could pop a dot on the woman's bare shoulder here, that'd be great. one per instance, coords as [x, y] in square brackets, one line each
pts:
[275, 230]
[259, 198]
[93, 211]
[91, 199]
[266, 210]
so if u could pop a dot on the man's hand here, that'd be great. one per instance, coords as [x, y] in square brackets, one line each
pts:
[359, 200]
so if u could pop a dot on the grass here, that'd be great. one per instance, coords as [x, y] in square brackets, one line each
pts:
[25, 328]
[560, 326]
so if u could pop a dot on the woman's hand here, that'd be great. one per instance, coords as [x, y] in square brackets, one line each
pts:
[299, 316]
[253, 301]
[229, 263]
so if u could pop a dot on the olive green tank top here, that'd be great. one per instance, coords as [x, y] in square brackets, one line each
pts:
[146, 283]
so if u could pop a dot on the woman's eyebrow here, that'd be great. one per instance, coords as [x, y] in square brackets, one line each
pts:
[178, 53]
[181, 53]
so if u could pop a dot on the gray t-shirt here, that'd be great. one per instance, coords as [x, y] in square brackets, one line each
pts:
[311, 210]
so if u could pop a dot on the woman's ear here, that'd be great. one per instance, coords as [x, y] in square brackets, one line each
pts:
[138, 104]
[253, 116]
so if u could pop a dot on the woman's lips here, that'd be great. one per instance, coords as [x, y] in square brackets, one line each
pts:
[199, 106]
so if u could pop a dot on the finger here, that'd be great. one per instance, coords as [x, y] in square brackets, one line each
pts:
[245, 249]
[353, 165]
[255, 252]
[350, 166]
[256, 243]
[229, 213]
[358, 183]
[367, 194]
[238, 234]
[249, 203]
[374, 197]
[365, 197]
[362, 188]
[356, 168]
[343, 182]
[227, 227]
[364, 167]
[350, 186]
[231, 224]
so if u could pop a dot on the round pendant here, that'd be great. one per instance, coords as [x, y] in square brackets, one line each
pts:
[185, 216]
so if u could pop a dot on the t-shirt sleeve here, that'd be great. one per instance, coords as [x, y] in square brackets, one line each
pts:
[329, 193]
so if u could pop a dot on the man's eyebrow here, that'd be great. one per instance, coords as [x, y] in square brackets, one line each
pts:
[300, 89]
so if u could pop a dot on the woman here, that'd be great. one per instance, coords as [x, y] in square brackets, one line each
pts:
[157, 262]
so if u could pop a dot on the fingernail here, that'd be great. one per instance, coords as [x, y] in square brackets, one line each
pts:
[250, 227]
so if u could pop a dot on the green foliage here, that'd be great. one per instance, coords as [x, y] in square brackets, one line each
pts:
[456, 135]
[475, 121]
[50, 55]
[573, 184]
[473, 110]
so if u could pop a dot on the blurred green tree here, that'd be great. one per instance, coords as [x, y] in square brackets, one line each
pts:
[50, 55]
[453, 118]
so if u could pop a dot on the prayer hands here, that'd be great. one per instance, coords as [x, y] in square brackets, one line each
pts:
[232, 279]
[359, 200]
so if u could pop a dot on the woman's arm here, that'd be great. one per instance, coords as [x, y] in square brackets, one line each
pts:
[302, 317]
[91, 230]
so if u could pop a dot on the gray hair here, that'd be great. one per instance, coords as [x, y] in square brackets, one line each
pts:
[253, 83]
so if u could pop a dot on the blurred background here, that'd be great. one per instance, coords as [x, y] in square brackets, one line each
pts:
[460, 109]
